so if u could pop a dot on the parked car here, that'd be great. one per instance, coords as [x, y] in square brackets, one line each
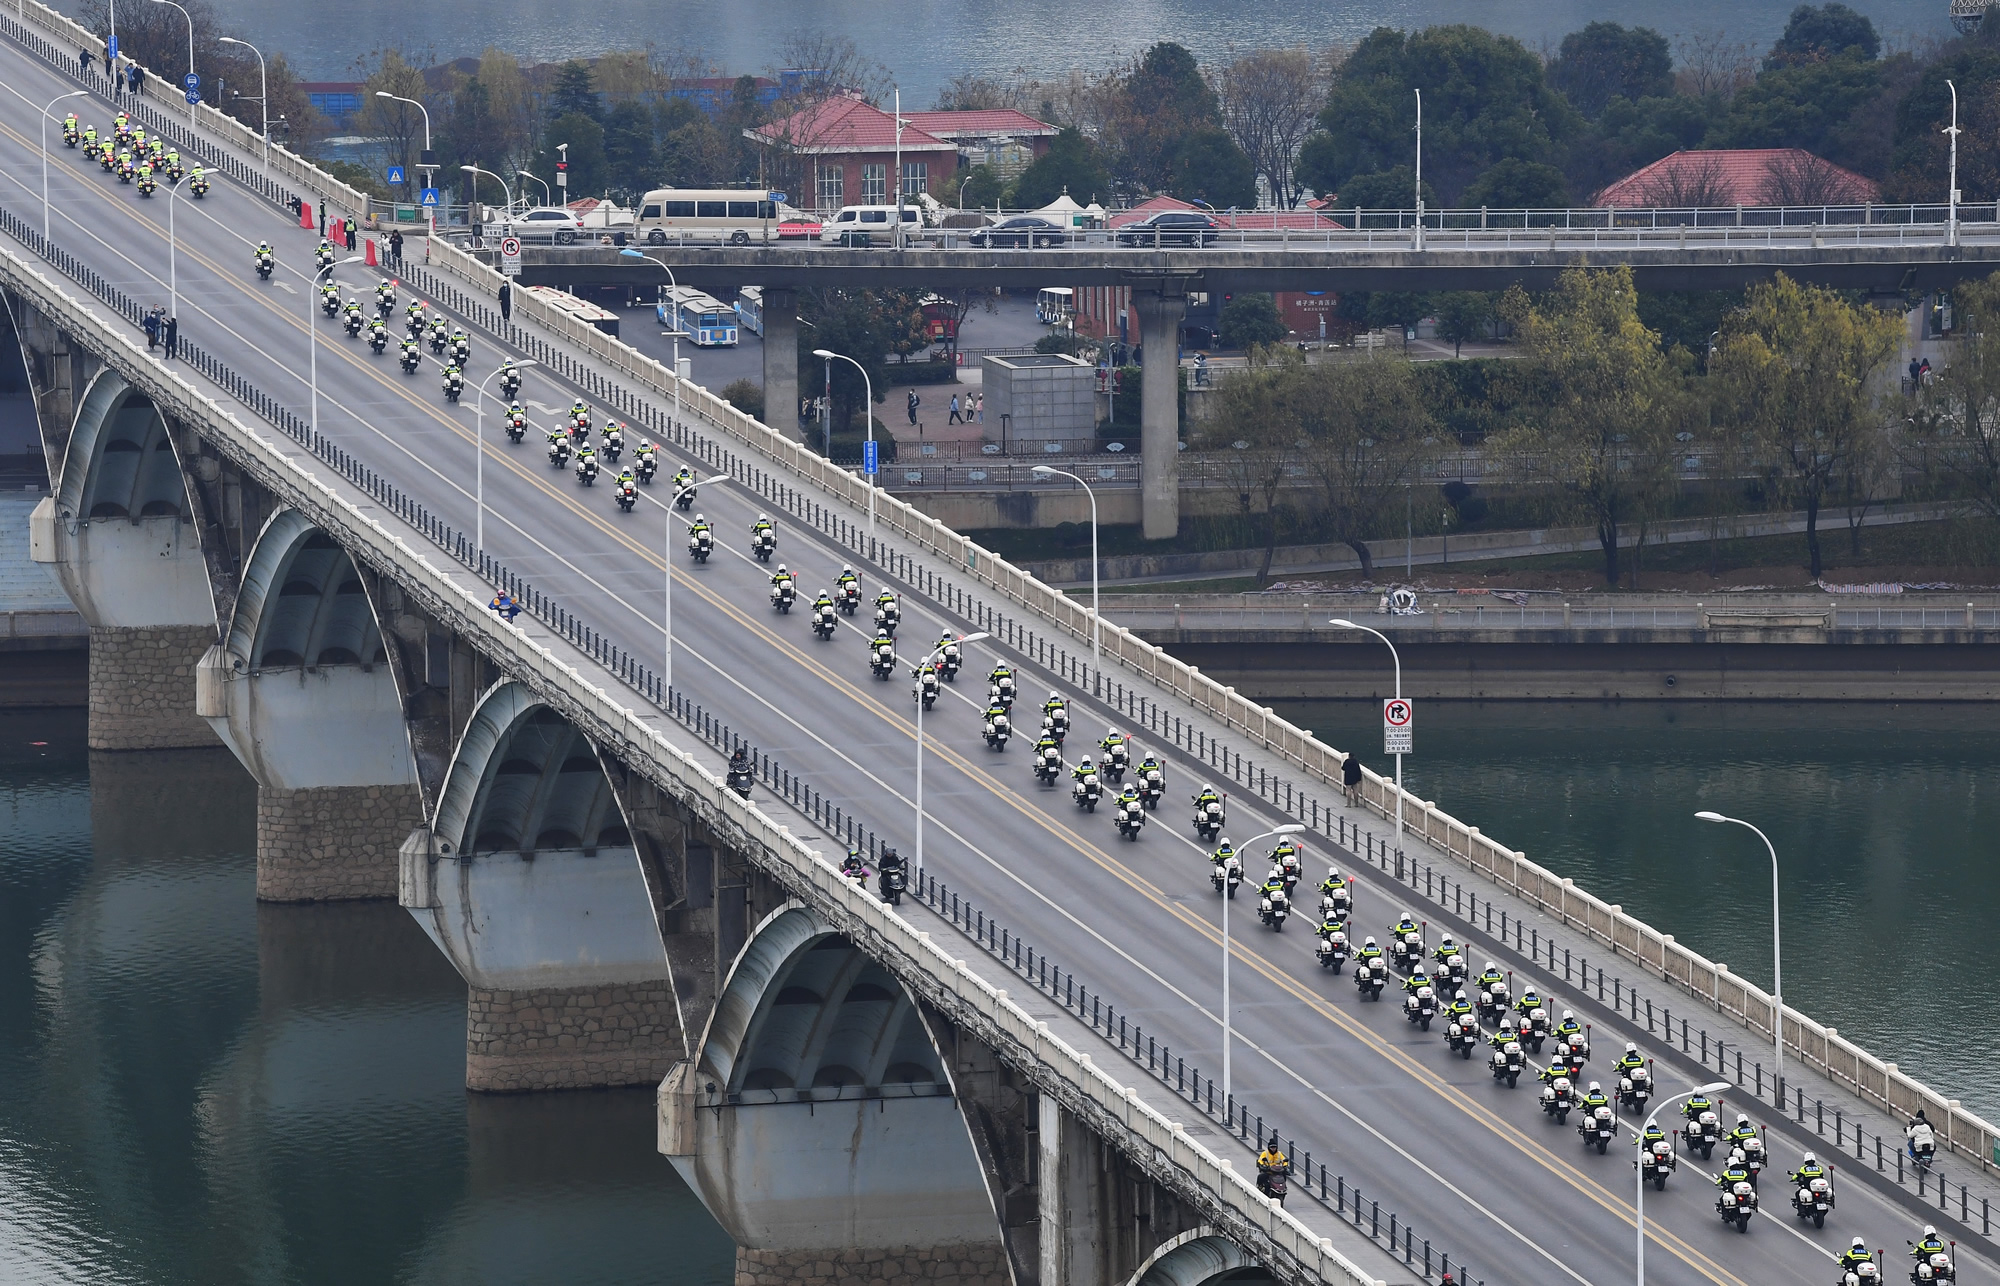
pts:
[1170, 228]
[1022, 230]
[557, 224]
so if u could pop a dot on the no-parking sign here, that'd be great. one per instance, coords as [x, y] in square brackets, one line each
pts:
[510, 256]
[1398, 721]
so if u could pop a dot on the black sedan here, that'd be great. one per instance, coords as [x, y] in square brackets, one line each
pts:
[1170, 228]
[1023, 230]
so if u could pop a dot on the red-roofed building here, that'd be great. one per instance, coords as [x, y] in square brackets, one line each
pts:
[850, 147]
[1746, 176]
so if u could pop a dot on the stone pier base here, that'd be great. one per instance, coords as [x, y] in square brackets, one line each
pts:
[142, 688]
[566, 1038]
[974, 1265]
[332, 843]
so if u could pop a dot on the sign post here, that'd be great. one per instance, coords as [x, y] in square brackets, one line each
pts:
[510, 256]
[1398, 728]
[869, 457]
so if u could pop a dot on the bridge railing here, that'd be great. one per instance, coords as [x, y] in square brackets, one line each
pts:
[54, 37]
[1153, 1140]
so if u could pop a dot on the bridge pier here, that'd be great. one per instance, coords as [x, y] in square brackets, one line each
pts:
[781, 361]
[1160, 317]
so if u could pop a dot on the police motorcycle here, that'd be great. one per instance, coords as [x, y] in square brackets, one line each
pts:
[625, 492]
[1226, 873]
[1331, 949]
[949, 659]
[323, 257]
[1273, 906]
[824, 623]
[646, 466]
[1407, 951]
[847, 596]
[1461, 1035]
[352, 320]
[517, 423]
[410, 358]
[1337, 903]
[701, 541]
[997, 728]
[1508, 1060]
[1737, 1203]
[1598, 1126]
[265, 263]
[1421, 1006]
[926, 688]
[510, 381]
[888, 616]
[1371, 974]
[1152, 787]
[1003, 690]
[385, 306]
[1131, 817]
[461, 347]
[1657, 1161]
[1635, 1090]
[1702, 1132]
[763, 543]
[198, 185]
[454, 384]
[882, 657]
[1813, 1199]
[378, 338]
[586, 466]
[614, 442]
[684, 488]
[1117, 759]
[1087, 790]
[1048, 764]
[329, 299]
[783, 592]
[1559, 1098]
[147, 183]
[439, 337]
[1493, 1001]
[1208, 818]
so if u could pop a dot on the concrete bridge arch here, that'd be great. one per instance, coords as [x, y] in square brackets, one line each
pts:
[820, 1119]
[1200, 1257]
[301, 689]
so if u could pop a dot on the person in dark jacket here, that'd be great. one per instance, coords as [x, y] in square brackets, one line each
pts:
[172, 333]
[1350, 780]
[152, 324]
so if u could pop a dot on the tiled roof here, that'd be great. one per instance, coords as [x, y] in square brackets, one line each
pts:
[980, 124]
[1744, 176]
[848, 125]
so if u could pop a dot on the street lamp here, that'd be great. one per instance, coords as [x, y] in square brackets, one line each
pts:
[475, 172]
[1048, 472]
[1777, 959]
[425, 166]
[74, 93]
[667, 613]
[263, 91]
[312, 333]
[674, 284]
[1420, 170]
[1341, 623]
[1715, 1087]
[1952, 227]
[173, 251]
[1289, 828]
[868, 414]
[936, 655]
[548, 198]
[190, 21]
[479, 443]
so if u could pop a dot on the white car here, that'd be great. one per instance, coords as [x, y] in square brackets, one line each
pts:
[865, 225]
[552, 222]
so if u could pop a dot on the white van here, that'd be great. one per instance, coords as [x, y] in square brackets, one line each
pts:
[864, 225]
[735, 215]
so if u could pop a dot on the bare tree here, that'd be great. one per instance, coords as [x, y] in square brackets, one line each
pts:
[1804, 179]
[969, 91]
[1689, 181]
[1710, 64]
[1270, 102]
[838, 67]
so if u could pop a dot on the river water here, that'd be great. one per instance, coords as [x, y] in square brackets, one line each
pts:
[198, 1089]
[925, 43]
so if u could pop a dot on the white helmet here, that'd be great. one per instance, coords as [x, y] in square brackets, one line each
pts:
[763, 517]
[846, 570]
[1860, 1244]
[1631, 1046]
[1929, 1231]
[1369, 942]
[1809, 1160]
[1490, 967]
[1743, 1118]
[1594, 1087]
[781, 569]
[1227, 844]
[1567, 1015]
[701, 517]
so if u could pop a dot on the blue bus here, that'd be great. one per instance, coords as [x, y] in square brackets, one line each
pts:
[750, 309]
[702, 318]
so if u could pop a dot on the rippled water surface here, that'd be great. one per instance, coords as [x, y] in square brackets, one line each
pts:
[1886, 821]
[927, 42]
[198, 1089]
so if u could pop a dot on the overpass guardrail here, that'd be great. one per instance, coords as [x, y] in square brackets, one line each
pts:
[41, 28]
[1153, 1142]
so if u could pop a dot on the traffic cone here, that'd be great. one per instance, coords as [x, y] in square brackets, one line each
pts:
[371, 252]
[305, 214]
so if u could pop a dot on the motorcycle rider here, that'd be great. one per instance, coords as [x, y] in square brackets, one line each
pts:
[1285, 849]
[641, 455]
[1743, 1131]
[892, 864]
[1733, 1173]
[1695, 1105]
[698, 527]
[1446, 949]
[1594, 1097]
[1855, 1256]
[1553, 1073]
[1404, 924]
[578, 411]
[1333, 883]
[1930, 1244]
[1224, 851]
[1111, 741]
[1651, 1135]
[1809, 1169]
[1370, 954]
[1271, 1161]
[1630, 1060]
[586, 460]
[822, 603]
[1568, 1027]
[1083, 768]
[852, 866]
[263, 248]
[1418, 978]
[759, 527]
[378, 336]
[1528, 1003]
[1490, 975]
[1206, 797]
[1920, 1135]
[782, 576]
[1508, 1032]
[1151, 763]
[994, 713]
[683, 478]
[846, 578]
[1044, 746]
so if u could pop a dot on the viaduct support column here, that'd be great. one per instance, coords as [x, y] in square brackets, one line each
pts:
[1073, 1220]
[781, 360]
[142, 687]
[1159, 412]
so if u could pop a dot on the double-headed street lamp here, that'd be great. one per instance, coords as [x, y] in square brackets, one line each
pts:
[263, 91]
[1777, 959]
[1047, 472]
[1341, 623]
[1639, 1201]
[937, 655]
[1289, 828]
[868, 414]
[479, 442]
[74, 93]
[475, 172]
[548, 198]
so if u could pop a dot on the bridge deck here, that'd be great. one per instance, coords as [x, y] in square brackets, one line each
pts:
[1371, 1098]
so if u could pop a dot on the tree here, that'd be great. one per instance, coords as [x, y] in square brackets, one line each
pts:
[1250, 320]
[983, 186]
[631, 151]
[1514, 184]
[1485, 98]
[1708, 64]
[865, 325]
[1630, 136]
[836, 66]
[516, 111]
[1688, 318]
[1270, 98]
[588, 172]
[1206, 165]
[1921, 149]
[571, 92]
[1072, 164]
[1604, 403]
[1805, 179]
[1797, 361]
[1463, 315]
[1605, 60]
[1162, 101]
[1694, 183]
[1364, 426]
[1819, 33]
[1957, 425]
[1256, 432]
[1798, 105]
[1387, 190]
[970, 91]
[466, 135]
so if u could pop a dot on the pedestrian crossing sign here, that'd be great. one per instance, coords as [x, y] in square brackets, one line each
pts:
[395, 174]
[428, 198]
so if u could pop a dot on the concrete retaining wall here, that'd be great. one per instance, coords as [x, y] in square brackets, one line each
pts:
[570, 1037]
[142, 688]
[332, 843]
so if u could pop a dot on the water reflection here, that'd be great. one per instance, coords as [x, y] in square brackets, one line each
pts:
[1884, 818]
[196, 1088]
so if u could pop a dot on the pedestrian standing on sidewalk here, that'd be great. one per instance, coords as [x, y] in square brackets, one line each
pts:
[1350, 780]
[83, 57]
[152, 325]
[173, 334]
[396, 246]
[979, 407]
[912, 406]
[138, 76]
[955, 417]
[350, 236]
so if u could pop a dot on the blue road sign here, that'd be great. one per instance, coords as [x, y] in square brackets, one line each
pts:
[428, 197]
[780, 197]
[194, 96]
[191, 81]
[869, 457]
[111, 46]
[395, 174]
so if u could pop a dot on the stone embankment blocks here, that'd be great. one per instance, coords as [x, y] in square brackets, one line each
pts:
[142, 688]
[570, 1038]
[332, 843]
